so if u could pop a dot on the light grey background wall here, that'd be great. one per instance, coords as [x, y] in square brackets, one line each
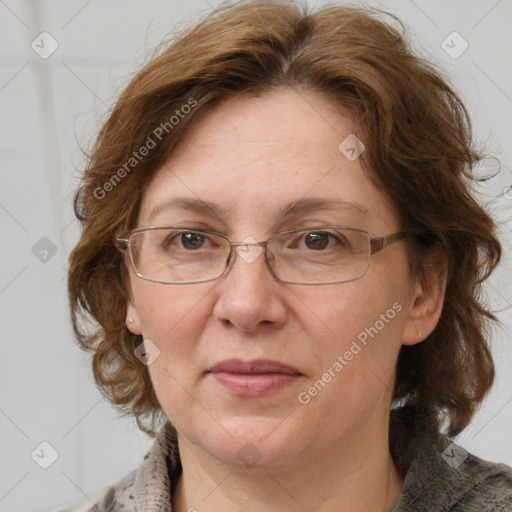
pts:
[62, 65]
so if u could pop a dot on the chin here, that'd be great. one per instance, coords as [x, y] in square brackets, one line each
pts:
[252, 442]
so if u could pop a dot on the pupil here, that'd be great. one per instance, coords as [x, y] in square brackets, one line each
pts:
[192, 240]
[317, 240]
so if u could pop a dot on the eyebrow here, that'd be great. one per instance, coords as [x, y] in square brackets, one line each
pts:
[293, 209]
[306, 205]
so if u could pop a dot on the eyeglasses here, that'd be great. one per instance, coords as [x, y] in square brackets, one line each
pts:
[323, 255]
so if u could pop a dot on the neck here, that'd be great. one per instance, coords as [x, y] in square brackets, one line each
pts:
[354, 476]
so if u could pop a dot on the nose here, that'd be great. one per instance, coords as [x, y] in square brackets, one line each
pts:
[250, 297]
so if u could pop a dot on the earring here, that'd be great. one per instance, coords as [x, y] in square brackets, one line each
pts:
[130, 320]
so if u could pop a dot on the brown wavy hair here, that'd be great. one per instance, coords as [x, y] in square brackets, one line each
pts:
[419, 151]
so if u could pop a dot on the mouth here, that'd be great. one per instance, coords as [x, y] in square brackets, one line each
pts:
[253, 378]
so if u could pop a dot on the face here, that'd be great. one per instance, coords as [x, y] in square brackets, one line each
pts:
[252, 158]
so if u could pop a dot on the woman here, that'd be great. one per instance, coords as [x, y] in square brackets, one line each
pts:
[283, 258]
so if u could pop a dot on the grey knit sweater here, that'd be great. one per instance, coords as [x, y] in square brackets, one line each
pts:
[440, 477]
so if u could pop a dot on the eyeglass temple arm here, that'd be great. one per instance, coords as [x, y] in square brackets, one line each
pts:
[122, 243]
[380, 243]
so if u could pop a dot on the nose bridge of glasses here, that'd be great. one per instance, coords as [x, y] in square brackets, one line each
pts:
[244, 243]
[249, 249]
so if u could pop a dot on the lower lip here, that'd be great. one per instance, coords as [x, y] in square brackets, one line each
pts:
[257, 384]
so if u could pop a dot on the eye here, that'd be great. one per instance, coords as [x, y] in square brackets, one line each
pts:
[317, 241]
[192, 240]
[189, 240]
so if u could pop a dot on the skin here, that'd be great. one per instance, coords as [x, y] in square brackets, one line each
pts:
[250, 156]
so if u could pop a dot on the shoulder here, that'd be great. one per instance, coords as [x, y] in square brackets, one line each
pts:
[443, 476]
[487, 486]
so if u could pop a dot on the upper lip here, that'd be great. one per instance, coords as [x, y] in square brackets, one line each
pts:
[257, 366]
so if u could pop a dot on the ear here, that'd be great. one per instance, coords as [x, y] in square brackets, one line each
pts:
[427, 299]
[132, 319]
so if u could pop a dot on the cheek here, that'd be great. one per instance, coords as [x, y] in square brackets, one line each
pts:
[167, 309]
[356, 311]
[356, 328]
[173, 320]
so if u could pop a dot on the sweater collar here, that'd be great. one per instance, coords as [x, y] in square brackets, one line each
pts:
[158, 473]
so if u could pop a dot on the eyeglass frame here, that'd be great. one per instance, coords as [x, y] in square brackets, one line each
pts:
[377, 244]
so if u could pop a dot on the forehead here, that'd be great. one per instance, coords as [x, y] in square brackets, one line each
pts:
[256, 156]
